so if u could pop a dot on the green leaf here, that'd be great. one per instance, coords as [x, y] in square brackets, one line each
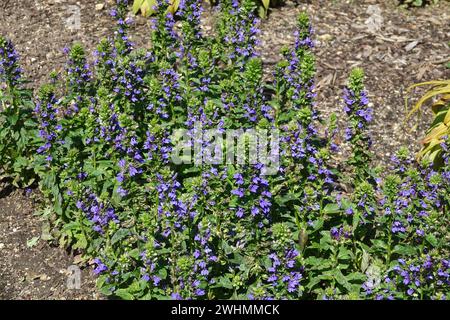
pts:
[331, 208]
[344, 253]
[119, 235]
[340, 278]
[318, 263]
[226, 248]
[356, 218]
[162, 273]
[325, 241]
[405, 250]
[69, 226]
[81, 241]
[318, 224]
[432, 240]
[134, 253]
[32, 242]
[124, 294]
[13, 119]
[281, 200]
[356, 276]
[380, 244]
[101, 280]
[225, 282]
[312, 283]
[134, 287]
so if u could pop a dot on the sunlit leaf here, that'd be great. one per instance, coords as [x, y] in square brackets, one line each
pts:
[137, 5]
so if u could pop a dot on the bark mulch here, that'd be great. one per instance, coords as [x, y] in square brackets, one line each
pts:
[396, 48]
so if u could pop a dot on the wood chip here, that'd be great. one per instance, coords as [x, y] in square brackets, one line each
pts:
[411, 45]
[325, 81]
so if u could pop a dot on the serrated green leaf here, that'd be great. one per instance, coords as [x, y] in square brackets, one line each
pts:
[119, 235]
[431, 239]
[405, 250]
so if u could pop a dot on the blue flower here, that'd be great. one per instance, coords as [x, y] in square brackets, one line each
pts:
[100, 266]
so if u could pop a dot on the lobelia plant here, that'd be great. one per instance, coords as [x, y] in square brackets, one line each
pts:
[360, 115]
[17, 127]
[412, 233]
[158, 221]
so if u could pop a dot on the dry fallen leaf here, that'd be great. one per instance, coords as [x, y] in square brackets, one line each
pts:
[325, 37]
[325, 81]
[411, 45]
[78, 259]
[424, 68]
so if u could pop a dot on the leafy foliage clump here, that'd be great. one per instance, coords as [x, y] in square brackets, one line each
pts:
[157, 228]
[440, 128]
[17, 126]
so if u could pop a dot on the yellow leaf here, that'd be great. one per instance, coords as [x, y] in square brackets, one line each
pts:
[147, 7]
[137, 5]
[174, 4]
[436, 133]
[427, 83]
[424, 153]
[430, 94]
[266, 3]
[262, 12]
[442, 102]
[441, 123]
[447, 118]
[433, 154]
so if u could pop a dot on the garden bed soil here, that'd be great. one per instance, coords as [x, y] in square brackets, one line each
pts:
[409, 46]
[34, 270]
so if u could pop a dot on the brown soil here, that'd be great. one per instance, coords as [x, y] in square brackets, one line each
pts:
[390, 56]
[38, 271]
